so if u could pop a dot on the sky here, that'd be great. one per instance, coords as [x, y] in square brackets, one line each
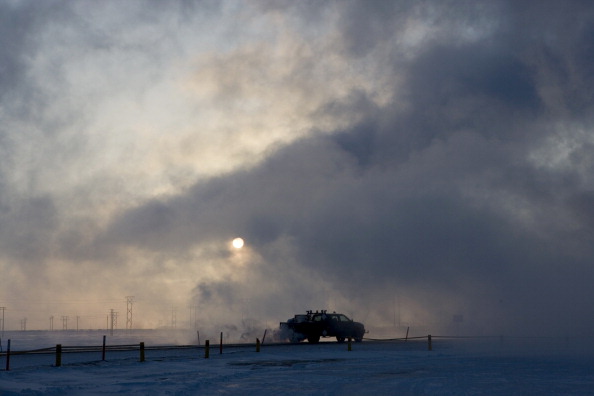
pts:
[408, 163]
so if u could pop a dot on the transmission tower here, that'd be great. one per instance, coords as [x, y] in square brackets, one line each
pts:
[114, 320]
[129, 303]
[52, 323]
[64, 322]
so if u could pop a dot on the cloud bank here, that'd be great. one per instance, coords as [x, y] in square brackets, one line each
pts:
[423, 164]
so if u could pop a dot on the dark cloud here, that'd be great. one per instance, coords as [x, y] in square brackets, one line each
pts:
[459, 185]
[429, 204]
[365, 26]
[22, 25]
[17, 21]
[28, 229]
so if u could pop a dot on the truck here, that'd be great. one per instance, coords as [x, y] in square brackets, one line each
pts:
[314, 325]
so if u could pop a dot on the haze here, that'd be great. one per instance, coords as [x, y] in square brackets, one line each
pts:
[407, 163]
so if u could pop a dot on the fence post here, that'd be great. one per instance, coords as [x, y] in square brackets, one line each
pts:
[142, 351]
[206, 349]
[257, 345]
[429, 346]
[103, 350]
[8, 355]
[221, 344]
[350, 345]
[58, 355]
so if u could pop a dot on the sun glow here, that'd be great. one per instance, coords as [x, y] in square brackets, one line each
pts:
[238, 243]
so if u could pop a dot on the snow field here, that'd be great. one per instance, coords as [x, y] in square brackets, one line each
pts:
[453, 367]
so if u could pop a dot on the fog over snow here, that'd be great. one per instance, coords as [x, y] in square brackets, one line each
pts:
[412, 163]
[486, 366]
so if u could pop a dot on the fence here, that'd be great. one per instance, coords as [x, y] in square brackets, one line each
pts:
[139, 351]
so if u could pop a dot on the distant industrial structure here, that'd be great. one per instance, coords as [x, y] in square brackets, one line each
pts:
[84, 321]
[113, 320]
[129, 303]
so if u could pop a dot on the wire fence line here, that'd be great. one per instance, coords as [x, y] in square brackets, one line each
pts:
[131, 347]
[136, 350]
[135, 346]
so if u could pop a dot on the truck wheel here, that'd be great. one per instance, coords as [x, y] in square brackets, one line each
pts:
[313, 339]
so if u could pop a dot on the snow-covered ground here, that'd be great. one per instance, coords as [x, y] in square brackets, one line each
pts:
[484, 366]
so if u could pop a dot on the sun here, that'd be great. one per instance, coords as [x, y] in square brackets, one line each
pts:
[238, 243]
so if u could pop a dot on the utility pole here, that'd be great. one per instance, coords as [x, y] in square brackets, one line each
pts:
[173, 318]
[129, 303]
[2, 328]
[193, 317]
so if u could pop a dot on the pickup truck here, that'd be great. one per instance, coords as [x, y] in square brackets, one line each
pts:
[314, 325]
